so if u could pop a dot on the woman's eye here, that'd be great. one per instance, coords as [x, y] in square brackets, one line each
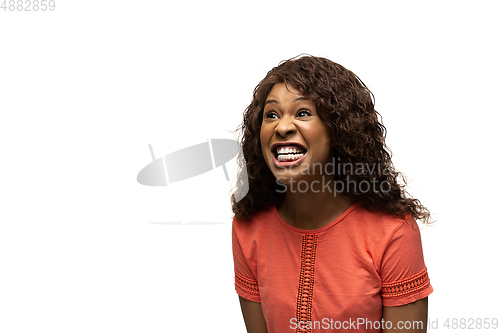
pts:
[271, 115]
[303, 113]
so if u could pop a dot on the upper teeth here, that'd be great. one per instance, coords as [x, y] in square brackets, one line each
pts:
[289, 150]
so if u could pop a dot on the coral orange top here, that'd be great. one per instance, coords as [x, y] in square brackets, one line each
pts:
[334, 278]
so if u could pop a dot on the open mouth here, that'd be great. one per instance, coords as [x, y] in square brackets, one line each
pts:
[288, 153]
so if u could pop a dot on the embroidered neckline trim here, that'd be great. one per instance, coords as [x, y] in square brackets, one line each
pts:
[306, 280]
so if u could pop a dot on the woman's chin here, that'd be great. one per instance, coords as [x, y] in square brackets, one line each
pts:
[288, 177]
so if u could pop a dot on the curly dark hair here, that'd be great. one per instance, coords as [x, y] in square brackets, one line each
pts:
[357, 138]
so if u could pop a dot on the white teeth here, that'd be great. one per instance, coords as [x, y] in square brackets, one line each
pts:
[289, 153]
[290, 157]
[289, 150]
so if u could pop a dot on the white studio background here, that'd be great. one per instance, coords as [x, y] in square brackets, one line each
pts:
[85, 88]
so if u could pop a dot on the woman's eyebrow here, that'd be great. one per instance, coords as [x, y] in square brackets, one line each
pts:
[271, 101]
[294, 101]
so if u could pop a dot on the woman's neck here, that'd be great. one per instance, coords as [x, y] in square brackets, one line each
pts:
[313, 210]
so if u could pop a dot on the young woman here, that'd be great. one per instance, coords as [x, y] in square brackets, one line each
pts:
[326, 238]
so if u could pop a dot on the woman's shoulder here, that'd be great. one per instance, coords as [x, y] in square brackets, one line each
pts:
[378, 221]
[375, 231]
[257, 221]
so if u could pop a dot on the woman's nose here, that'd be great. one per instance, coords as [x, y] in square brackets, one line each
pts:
[285, 127]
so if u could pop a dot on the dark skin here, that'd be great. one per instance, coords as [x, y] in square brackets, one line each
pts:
[416, 311]
[253, 316]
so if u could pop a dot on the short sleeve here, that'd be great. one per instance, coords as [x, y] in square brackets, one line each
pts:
[244, 281]
[403, 272]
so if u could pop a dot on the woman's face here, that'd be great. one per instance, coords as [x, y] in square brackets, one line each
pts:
[294, 139]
